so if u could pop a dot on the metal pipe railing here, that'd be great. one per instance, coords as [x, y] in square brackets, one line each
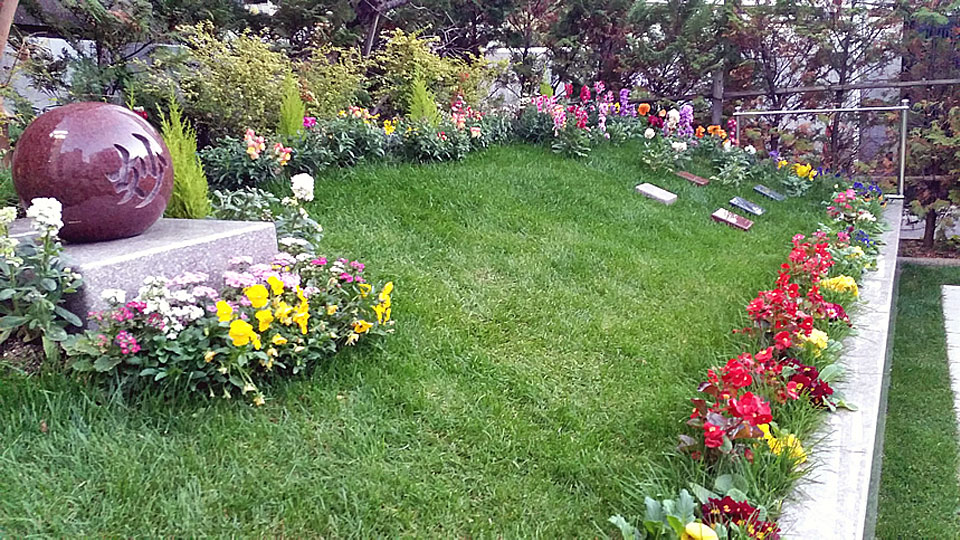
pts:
[904, 107]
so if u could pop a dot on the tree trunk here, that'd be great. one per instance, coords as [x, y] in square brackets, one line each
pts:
[930, 228]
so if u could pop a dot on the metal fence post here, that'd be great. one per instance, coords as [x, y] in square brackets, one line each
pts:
[903, 143]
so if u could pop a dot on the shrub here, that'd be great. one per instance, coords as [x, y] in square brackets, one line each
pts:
[292, 109]
[225, 86]
[406, 58]
[334, 79]
[291, 219]
[354, 137]
[34, 280]
[189, 199]
[423, 142]
[423, 106]
[234, 163]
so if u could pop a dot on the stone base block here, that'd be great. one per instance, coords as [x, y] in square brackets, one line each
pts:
[656, 193]
[169, 248]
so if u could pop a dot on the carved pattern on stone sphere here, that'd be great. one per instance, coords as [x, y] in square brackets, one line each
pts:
[133, 170]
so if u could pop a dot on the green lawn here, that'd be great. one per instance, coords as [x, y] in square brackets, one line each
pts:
[551, 326]
[919, 491]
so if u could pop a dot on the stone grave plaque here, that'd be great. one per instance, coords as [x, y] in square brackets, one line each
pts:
[656, 193]
[767, 192]
[746, 206]
[723, 215]
[698, 180]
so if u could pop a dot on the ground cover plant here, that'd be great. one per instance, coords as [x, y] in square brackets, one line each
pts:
[554, 324]
[919, 494]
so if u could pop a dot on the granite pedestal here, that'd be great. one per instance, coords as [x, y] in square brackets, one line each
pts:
[169, 248]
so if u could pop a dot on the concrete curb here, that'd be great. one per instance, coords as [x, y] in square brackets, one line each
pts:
[951, 324]
[925, 261]
[838, 497]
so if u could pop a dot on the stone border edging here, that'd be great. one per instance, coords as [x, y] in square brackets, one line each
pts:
[838, 497]
[950, 295]
[929, 261]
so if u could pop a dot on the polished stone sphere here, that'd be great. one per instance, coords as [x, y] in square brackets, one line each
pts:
[106, 165]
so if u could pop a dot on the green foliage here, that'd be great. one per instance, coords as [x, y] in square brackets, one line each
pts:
[225, 86]
[189, 199]
[254, 204]
[292, 108]
[546, 89]
[407, 58]
[334, 79]
[423, 142]
[423, 105]
[33, 283]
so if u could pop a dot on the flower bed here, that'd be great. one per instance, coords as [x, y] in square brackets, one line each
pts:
[755, 411]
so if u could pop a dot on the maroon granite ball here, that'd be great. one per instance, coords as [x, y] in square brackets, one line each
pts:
[106, 165]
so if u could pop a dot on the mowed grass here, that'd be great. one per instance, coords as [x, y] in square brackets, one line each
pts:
[552, 325]
[919, 489]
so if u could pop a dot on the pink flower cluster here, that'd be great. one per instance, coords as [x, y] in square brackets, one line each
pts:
[127, 342]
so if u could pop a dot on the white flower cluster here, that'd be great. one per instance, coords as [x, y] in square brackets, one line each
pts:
[751, 149]
[302, 185]
[866, 216]
[673, 119]
[47, 215]
[177, 308]
[679, 146]
[649, 133]
[114, 297]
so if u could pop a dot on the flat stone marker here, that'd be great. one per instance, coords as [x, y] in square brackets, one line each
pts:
[767, 192]
[746, 206]
[723, 215]
[656, 193]
[698, 180]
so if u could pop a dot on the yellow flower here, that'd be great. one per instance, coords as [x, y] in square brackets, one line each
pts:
[790, 442]
[352, 338]
[208, 356]
[818, 339]
[257, 295]
[283, 313]
[698, 531]
[856, 253]
[361, 326]
[841, 284]
[224, 311]
[331, 309]
[242, 333]
[265, 317]
[803, 171]
[380, 310]
[258, 400]
[275, 285]
[365, 289]
[387, 290]
[781, 164]
[278, 340]
[301, 316]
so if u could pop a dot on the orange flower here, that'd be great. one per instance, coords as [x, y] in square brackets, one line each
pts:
[643, 109]
[699, 132]
[713, 130]
[723, 134]
[662, 113]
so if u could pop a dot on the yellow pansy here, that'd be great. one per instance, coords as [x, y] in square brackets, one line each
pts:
[301, 316]
[818, 338]
[841, 284]
[224, 311]
[781, 164]
[242, 333]
[283, 313]
[265, 317]
[278, 340]
[803, 171]
[698, 531]
[365, 289]
[208, 356]
[380, 310]
[257, 295]
[331, 309]
[790, 443]
[361, 326]
[276, 285]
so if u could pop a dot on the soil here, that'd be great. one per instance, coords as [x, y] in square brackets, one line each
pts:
[23, 357]
[914, 248]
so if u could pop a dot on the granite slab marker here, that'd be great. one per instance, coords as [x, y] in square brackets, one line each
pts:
[698, 180]
[746, 206]
[767, 192]
[722, 215]
[656, 193]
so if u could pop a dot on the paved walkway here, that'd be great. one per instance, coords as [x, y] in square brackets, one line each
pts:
[951, 321]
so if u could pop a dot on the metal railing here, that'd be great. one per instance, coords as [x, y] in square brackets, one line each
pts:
[904, 107]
